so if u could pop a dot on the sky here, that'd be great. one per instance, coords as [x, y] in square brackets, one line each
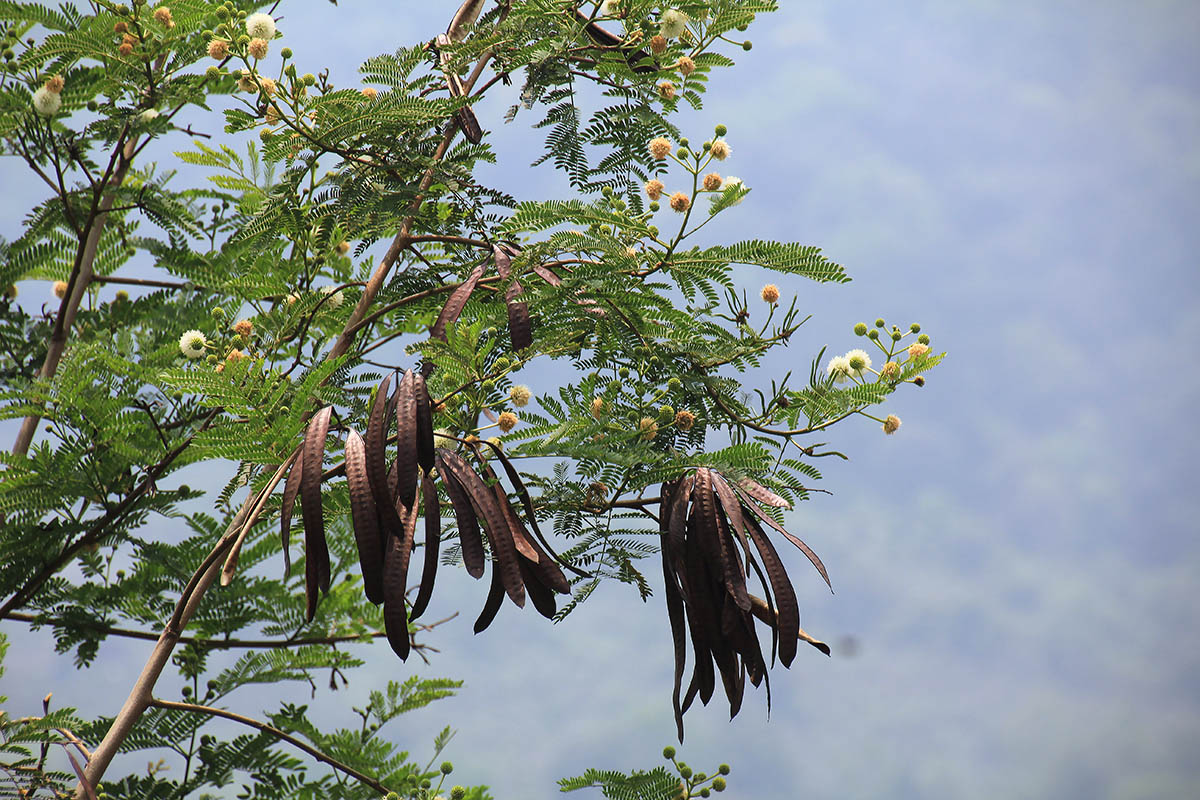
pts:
[1016, 585]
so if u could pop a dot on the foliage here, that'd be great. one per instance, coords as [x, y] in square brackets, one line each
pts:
[226, 307]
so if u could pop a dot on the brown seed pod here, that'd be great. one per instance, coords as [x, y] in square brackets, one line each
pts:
[406, 440]
[816, 561]
[464, 18]
[424, 422]
[365, 518]
[291, 488]
[433, 533]
[469, 538]
[316, 550]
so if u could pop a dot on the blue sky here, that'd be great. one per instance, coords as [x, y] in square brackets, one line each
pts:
[1015, 564]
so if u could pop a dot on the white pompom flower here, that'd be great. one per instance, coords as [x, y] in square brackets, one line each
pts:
[46, 102]
[335, 296]
[858, 361]
[260, 26]
[192, 343]
[673, 23]
[839, 369]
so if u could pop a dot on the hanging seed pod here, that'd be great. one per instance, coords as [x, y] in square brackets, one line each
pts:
[395, 585]
[639, 60]
[465, 117]
[291, 488]
[464, 18]
[316, 550]
[762, 515]
[433, 533]
[424, 422]
[406, 440]
[365, 518]
[469, 538]
[762, 494]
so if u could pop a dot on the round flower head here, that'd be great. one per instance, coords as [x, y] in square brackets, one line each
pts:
[260, 26]
[673, 23]
[685, 65]
[839, 369]
[191, 344]
[659, 148]
[246, 82]
[55, 84]
[370, 92]
[890, 371]
[11, 291]
[520, 396]
[712, 182]
[654, 188]
[60, 289]
[658, 44]
[343, 248]
[734, 182]
[257, 48]
[916, 350]
[720, 149]
[234, 355]
[46, 102]
[666, 90]
[891, 424]
[243, 327]
[648, 428]
[162, 15]
[610, 8]
[218, 49]
[770, 294]
[684, 420]
[858, 361]
[335, 296]
[268, 85]
[125, 49]
[507, 421]
[680, 202]
[597, 407]
[149, 115]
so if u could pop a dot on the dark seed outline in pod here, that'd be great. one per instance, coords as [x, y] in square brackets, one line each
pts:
[469, 538]
[499, 535]
[674, 599]
[520, 327]
[377, 462]
[364, 516]
[424, 415]
[716, 538]
[786, 606]
[544, 571]
[316, 551]
[433, 536]
[521, 540]
[395, 586]
[762, 494]
[765, 517]
[291, 488]
[406, 441]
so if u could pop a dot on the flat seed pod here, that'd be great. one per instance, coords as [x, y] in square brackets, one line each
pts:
[674, 600]
[464, 514]
[316, 551]
[424, 414]
[520, 329]
[767, 594]
[456, 303]
[291, 488]
[499, 535]
[605, 38]
[714, 538]
[433, 534]
[762, 494]
[406, 440]
[365, 518]
[787, 609]
[765, 517]
[395, 586]
[494, 599]
[376, 444]
[544, 571]
[545, 274]
[732, 507]
[539, 594]
[502, 261]
[464, 18]
[514, 478]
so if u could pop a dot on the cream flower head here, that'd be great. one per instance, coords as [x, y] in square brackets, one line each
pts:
[192, 343]
[891, 424]
[720, 150]
[660, 148]
[260, 26]
[839, 369]
[507, 421]
[520, 395]
[858, 361]
[673, 23]
[46, 102]
[335, 296]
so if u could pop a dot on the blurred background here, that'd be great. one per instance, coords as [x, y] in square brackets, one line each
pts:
[1017, 597]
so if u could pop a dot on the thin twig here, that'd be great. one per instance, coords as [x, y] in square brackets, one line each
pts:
[259, 725]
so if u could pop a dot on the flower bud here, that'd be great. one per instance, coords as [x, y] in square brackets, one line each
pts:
[860, 329]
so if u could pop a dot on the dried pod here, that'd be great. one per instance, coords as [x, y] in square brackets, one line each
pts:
[316, 550]
[433, 534]
[291, 488]
[365, 518]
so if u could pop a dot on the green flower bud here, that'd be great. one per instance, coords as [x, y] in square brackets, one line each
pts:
[213, 72]
[184, 489]
[915, 328]
[243, 40]
[704, 792]
[720, 130]
[896, 335]
[674, 383]
[707, 146]
[747, 45]
[666, 413]
[614, 387]
[392, 796]
[488, 385]
[425, 784]
[186, 691]
[718, 784]
[502, 363]
[668, 752]
[683, 142]
[860, 329]
[700, 777]
[286, 52]
[682, 152]
[92, 105]
[655, 206]
[879, 323]
[122, 10]
[872, 334]
[653, 230]
[212, 359]
[923, 338]
[447, 768]
[308, 79]
[211, 686]
[685, 771]
[218, 312]
[607, 191]
[457, 793]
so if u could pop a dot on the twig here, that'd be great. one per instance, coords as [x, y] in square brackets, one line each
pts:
[366, 780]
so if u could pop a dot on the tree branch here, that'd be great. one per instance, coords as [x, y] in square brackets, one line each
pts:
[366, 780]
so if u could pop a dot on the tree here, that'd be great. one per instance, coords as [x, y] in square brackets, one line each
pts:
[341, 314]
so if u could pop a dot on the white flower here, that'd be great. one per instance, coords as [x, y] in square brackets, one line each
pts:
[149, 115]
[732, 182]
[260, 26]
[858, 361]
[46, 102]
[721, 150]
[335, 296]
[191, 344]
[520, 395]
[610, 8]
[672, 23]
[839, 368]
